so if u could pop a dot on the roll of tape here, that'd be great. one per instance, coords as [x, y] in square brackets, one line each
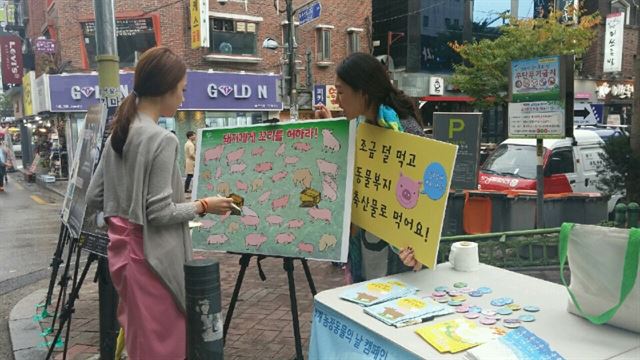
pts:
[464, 256]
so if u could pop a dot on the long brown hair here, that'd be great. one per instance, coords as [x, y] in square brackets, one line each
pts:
[158, 72]
[363, 72]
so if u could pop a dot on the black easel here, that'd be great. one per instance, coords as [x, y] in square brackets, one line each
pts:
[56, 261]
[287, 264]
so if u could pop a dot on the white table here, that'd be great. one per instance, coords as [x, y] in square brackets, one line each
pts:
[569, 335]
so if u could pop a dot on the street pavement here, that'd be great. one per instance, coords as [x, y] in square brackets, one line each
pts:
[261, 327]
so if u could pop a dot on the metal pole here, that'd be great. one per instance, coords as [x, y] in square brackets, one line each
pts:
[204, 310]
[293, 92]
[109, 81]
[467, 23]
[514, 8]
[540, 186]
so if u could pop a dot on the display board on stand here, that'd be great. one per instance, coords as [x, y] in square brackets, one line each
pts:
[401, 186]
[293, 182]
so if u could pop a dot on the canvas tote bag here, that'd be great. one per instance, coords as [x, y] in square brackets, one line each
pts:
[604, 273]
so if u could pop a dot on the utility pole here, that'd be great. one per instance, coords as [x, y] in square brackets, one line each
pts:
[109, 81]
[514, 9]
[293, 92]
[467, 23]
[635, 119]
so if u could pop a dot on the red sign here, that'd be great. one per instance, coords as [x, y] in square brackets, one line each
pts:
[11, 55]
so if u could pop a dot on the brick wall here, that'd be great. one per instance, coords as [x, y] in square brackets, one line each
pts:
[594, 58]
[37, 11]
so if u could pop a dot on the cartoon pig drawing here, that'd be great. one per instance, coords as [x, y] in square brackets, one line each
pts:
[305, 247]
[285, 238]
[274, 219]
[291, 160]
[250, 221]
[257, 151]
[329, 142]
[206, 175]
[217, 239]
[224, 188]
[295, 224]
[207, 223]
[257, 184]
[233, 227]
[263, 167]
[407, 191]
[280, 150]
[255, 239]
[329, 189]
[218, 172]
[241, 186]
[247, 211]
[327, 241]
[234, 156]
[300, 146]
[213, 154]
[320, 214]
[326, 167]
[302, 177]
[264, 197]
[280, 202]
[237, 168]
[279, 176]
[225, 216]
[210, 186]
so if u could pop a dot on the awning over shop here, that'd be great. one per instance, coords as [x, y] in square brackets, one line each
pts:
[447, 98]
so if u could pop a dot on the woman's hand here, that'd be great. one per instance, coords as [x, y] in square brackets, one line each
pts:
[408, 259]
[322, 112]
[218, 205]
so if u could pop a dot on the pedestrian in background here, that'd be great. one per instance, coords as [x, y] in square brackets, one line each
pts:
[137, 184]
[365, 93]
[5, 162]
[189, 159]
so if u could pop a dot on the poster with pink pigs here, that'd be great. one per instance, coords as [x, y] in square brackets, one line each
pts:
[292, 181]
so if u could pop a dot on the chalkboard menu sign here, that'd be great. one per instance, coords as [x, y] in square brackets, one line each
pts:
[462, 129]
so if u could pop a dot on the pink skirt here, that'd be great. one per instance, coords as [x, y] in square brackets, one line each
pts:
[154, 326]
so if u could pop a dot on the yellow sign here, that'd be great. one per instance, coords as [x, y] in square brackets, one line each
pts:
[27, 93]
[400, 188]
[194, 7]
[332, 98]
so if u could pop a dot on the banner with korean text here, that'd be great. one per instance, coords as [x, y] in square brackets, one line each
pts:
[291, 181]
[400, 188]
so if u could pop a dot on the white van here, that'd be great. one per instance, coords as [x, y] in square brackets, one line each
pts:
[568, 166]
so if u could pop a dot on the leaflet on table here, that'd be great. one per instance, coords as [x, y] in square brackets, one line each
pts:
[458, 334]
[420, 320]
[518, 344]
[376, 291]
[403, 309]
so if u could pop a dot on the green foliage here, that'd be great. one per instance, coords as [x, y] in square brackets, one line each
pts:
[6, 106]
[621, 169]
[484, 76]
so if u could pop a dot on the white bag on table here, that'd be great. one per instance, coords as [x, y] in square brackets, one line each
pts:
[604, 273]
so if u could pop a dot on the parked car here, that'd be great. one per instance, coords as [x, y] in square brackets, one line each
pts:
[568, 166]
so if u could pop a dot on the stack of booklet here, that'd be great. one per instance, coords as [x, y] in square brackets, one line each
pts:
[408, 310]
[377, 291]
[456, 335]
[518, 344]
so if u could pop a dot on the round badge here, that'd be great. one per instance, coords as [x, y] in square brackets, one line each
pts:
[442, 300]
[462, 309]
[453, 293]
[472, 315]
[441, 288]
[466, 290]
[487, 321]
[476, 293]
[527, 318]
[460, 285]
[438, 293]
[531, 308]
[454, 303]
[511, 321]
[459, 298]
[498, 302]
[505, 311]
[514, 307]
[434, 181]
[475, 309]
[511, 325]
[488, 312]
[507, 301]
[485, 290]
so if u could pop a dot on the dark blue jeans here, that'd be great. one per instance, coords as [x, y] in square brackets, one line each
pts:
[3, 171]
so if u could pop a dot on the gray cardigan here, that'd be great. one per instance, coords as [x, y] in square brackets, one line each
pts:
[144, 185]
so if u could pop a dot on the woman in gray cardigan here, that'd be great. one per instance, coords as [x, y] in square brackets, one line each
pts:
[138, 186]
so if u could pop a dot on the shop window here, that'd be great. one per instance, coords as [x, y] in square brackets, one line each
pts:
[425, 21]
[134, 37]
[622, 6]
[560, 162]
[233, 36]
[353, 40]
[218, 119]
[285, 33]
[323, 43]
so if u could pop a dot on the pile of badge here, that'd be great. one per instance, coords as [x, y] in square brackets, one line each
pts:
[504, 307]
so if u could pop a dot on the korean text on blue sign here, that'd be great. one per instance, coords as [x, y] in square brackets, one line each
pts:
[309, 13]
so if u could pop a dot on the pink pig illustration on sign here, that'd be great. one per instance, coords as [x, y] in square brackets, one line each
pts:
[218, 172]
[237, 168]
[210, 186]
[217, 239]
[280, 202]
[234, 156]
[274, 219]
[295, 224]
[291, 160]
[300, 146]
[262, 167]
[326, 167]
[280, 150]
[250, 221]
[279, 176]
[305, 247]
[329, 142]
[213, 154]
[257, 151]
[264, 197]
[241, 186]
[255, 239]
[286, 238]
[320, 214]
[407, 191]
[207, 223]
[329, 189]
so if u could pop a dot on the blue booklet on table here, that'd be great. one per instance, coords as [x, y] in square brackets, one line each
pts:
[518, 344]
[377, 291]
[406, 308]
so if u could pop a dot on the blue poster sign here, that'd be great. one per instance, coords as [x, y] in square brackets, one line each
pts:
[309, 13]
[205, 91]
[320, 95]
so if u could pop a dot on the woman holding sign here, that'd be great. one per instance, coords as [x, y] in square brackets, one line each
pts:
[365, 93]
[139, 187]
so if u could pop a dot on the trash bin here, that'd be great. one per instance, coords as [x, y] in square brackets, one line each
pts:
[520, 210]
[554, 208]
[453, 215]
[596, 208]
[483, 212]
